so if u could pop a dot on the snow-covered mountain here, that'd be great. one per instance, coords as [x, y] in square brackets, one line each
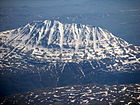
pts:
[49, 53]
[52, 41]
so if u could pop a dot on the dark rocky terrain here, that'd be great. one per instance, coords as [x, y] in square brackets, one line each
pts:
[78, 95]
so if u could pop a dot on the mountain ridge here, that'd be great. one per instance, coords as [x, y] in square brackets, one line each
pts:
[42, 60]
[63, 39]
[52, 41]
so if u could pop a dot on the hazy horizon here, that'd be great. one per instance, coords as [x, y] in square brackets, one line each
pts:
[122, 18]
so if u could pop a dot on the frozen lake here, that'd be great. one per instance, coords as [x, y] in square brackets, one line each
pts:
[121, 17]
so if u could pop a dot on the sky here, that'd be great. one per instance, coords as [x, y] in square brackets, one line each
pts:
[120, 17]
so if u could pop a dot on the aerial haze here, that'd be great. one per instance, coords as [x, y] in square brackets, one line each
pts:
[122, 18]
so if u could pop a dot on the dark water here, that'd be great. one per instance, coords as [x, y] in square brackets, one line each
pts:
[121, 17]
